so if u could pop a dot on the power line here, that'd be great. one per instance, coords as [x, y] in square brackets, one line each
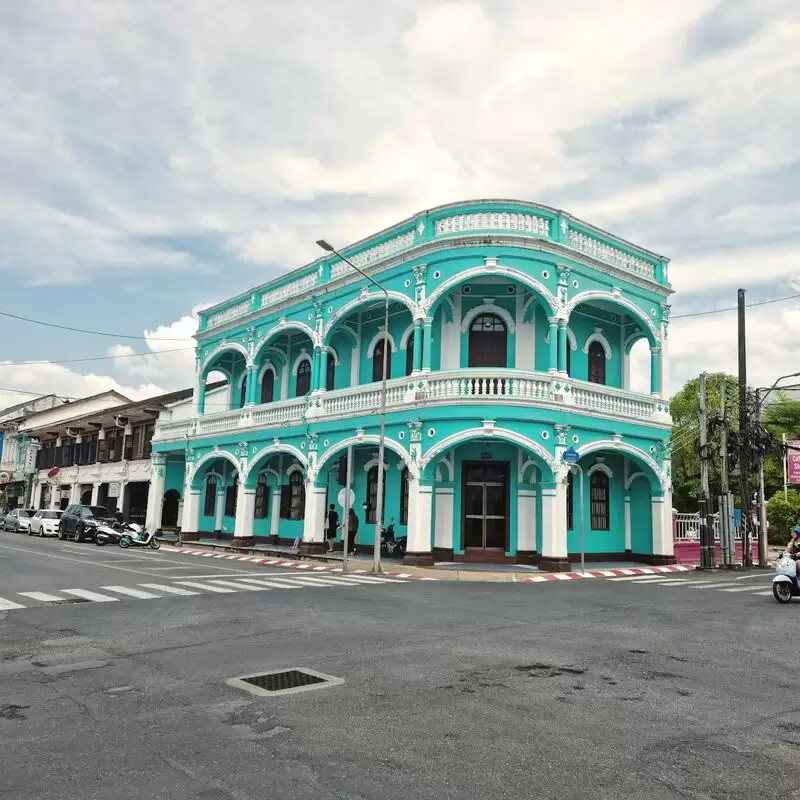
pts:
[94, 358]
[734, 308]
[85, 330]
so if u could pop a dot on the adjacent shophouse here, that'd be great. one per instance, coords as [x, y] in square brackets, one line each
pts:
[510, 330]
[96, 451]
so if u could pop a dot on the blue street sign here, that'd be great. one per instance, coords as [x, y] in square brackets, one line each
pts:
[570, 455]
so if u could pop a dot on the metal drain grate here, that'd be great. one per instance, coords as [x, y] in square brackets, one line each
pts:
[284, 681]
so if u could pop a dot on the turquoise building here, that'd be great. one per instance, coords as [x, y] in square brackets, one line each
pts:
[509, 338]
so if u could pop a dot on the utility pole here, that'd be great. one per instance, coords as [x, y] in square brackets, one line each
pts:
[706, 535]
[724, 507]
[744, 434]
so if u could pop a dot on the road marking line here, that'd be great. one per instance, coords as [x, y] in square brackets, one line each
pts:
[243, 558]
[168, 589]
[319, 582]
[375, 579]
[666, 581]
[95, 597]
[627, 572]
[742, 589]
[271, 584]
[749, 577]
[239, 585]
[206, 587]
[640, 578]
[763, 594]
[707, 584]
[137, 593]
[8, 605]
[42, 597]
[206, 555]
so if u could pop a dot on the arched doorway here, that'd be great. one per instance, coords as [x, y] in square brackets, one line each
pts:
[169, 509]
[488, 342]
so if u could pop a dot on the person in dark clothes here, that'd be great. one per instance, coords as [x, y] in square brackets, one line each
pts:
[352, 528]
[333, 524]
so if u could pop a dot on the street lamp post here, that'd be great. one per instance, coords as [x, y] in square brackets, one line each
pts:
[762, 506]
[376, 555]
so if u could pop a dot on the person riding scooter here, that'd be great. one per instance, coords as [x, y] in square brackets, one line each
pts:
[793, 547]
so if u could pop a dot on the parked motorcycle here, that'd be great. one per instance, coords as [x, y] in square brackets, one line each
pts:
[391, 545]
[111, 534]
[143, 538]
[784, 584]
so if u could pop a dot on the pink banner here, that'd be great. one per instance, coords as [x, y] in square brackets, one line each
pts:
[793, 463]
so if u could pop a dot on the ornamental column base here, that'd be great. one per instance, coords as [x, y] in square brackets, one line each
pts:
[418, 559]
[312, 548]
[659, 560]
[528, 557]
[551, 564]
[190, 536]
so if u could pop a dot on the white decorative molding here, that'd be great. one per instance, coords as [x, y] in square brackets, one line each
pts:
[381, 334]
[235, 346]
[600, 467]
[611, 255]
[373, 462]
[284, 325]
[571, 340]
[304, 356]
[227, 314]
[288, 290]
[406, 336]
[362, 438]
[331, 351]
[629, 449]
[488, 308]
[365, 296]
[267, 367]
[614, 297]
[294, 468]
[373, 254]
[631, 479]
[598, 336]
[493, 221]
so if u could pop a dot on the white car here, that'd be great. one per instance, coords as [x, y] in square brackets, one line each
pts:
[44, 522]
[18, 520]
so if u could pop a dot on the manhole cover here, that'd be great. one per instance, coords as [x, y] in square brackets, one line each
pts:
[284, 681]
[70, 602]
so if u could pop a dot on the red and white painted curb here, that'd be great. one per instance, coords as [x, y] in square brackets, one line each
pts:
[604, 573]
[520, 578]
[279, 562]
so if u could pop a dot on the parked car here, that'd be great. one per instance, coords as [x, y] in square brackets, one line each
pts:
[18, 520]
[81, 522]
[45, 522]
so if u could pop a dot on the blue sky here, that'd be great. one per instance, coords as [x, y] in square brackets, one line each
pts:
[156, 157]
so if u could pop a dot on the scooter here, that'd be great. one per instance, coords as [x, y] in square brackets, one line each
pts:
[784, 584]
[111, 534]
[143, 538]
[390, 544]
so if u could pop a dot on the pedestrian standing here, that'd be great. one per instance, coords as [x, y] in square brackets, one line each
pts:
[333, 524]
[352, 527]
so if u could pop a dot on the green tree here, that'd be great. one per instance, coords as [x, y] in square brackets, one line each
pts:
[782, 514]
[685, 409]
[780, 418]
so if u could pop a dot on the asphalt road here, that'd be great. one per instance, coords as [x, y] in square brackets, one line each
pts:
[579, 689]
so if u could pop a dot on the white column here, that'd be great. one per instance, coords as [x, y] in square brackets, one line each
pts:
[245, 506]
[75, 493]
[554, 525]
[627, 522]
[95, 493]
[526, 520]
[524, 338]
[314, 521]
[275, 512]
[450, 357]
[443, 534]
[664, 367]
[55, 496]
[37, 494]
[123, 488]
[219, 507]
[155, 494]
[191, 509]
[662, 531]
[420, 507]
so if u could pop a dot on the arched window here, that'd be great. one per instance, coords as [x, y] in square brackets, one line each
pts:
[372, 495]
[303, 385]
[598, 485]
[410, 355]
[330, 373]
[231, 495]
[570, 501]
[597, 363]
[210, 500]
[403, 497]
[488, 339]
[268, 387]
[260, 511]
[377, 361]
[243, 392]
[293, 497]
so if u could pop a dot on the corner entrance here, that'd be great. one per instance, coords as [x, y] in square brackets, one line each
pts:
[485, 510]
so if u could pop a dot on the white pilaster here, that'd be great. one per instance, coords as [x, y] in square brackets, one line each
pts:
[37, 495]
[75, 493]
[443, 535]
[219, 507]
[55, 496]
[420, 507]
[526, 520]
[155, 496]
[275, 511]
[95, 493]
[190, 519]
[554, 520]
[123, 488]
[627, 522]
[450, 356]
[662, 532]
[524, 338]
[664, 367]
[245, 507]
[314, 522]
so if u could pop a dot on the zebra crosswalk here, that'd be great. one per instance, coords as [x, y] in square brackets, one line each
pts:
[740, 586]
[174, 588]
